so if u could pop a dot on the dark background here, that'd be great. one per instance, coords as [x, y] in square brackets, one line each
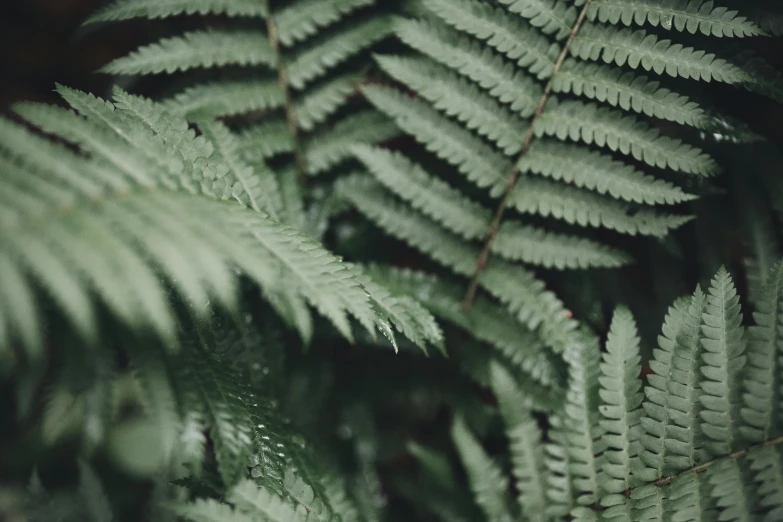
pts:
[41, 45]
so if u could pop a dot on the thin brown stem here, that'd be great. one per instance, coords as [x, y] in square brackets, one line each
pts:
[285, 86]
[494, 227]
[703, 467]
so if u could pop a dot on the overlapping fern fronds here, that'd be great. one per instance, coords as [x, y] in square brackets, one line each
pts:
[146, 208]
[198, 420]
[292, 70]
[580, 113]
[701, 439]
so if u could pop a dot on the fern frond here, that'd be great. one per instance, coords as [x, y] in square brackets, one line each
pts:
[150, 182]
[641, 49]
[222, 405]
[768, 479]
[525, 443]
[325, 151]
[514, 286]
[550, 16]
[693, 16]
[304, 18]
[628, 91]
[460, 99]
[129, 9]
[484, 67]
[585, 438]
[160, 401]
[212, 100]
[604, 127]
[256, 188]
[469, 220]
[407, 315]
[672, 440]
[487, 168]
[723, 362]
[763, 387]
[594, 171]
[324, 100]
[731, 490]
[196, 49]
[485, 320]
[574, 206]
[330, 50]
[487, 482]
[258, 502]
[264, 140]
[481, 164]
[621, 394]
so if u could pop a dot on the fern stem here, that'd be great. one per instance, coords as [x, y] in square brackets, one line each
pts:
[285, 86]
[494, 227]
[703, 467]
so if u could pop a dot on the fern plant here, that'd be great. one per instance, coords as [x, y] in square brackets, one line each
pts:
[698, 439]
[285, 72]
[149, 228]
[159, 262]
[563, 116]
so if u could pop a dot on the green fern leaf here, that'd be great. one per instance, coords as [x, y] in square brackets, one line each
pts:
[323, 101]
[672, 440]
[603, 127]
[222, 405]
[461, 99]
[265, 140]
[641, 49]
[509, 36]
[584, 436]
[695, 16]
[330, 50]
[763, 386]
[525, 444]
[550, 16]
[487, 482]
[212, 100]
[469, 220]
[545, 198]
[210, 510]
[196, 49]
[129, 9]
[723, 360]
[629, 91]
[621, 394]
[256, 188]
[768, 478]
[326, 150]
[407, 314]
[514, 286]
[485, 320]
[485, 68]
[300, 20]
[594, 171]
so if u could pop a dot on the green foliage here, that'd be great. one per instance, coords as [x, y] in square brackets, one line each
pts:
[547, 111]
[160, 260]
[699, 438]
